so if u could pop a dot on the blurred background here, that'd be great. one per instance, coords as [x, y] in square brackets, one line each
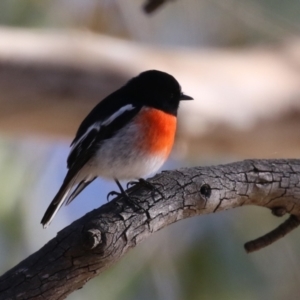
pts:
[239, 59]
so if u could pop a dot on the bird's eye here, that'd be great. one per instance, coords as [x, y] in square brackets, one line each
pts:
[172, 95]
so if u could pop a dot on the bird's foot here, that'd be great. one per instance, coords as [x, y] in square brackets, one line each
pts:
[143, 182]
[150, 186]
[121, 193]
[130, 201]
[114, 193]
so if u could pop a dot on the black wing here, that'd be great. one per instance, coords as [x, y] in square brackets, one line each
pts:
[87, 144]
[102, 110]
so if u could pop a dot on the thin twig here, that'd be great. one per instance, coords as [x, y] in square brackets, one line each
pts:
[152, 5]
[286, 227]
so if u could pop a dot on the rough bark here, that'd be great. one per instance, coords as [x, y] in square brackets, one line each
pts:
[93, 243]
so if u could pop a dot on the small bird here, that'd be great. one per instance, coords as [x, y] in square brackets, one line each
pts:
[128, 135]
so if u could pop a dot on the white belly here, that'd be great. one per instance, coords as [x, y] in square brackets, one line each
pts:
[119, 159]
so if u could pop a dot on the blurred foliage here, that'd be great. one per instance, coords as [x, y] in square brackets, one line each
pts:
[189, 22]
[18, 173]
[23, 13]
[92, 14]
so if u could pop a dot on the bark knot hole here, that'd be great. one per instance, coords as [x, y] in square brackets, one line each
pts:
[92, 238]
[279, 211]
[205, 191]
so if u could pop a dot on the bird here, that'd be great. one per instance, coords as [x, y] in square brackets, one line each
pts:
[128, 135]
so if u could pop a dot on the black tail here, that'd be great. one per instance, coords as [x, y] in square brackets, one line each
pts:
[62, 195]
[56, 203]
[80, 187]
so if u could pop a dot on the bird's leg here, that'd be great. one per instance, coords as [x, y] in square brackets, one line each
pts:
[123, 193]
[114, 193]
[121, 188]
[141, 181]
[150, 186]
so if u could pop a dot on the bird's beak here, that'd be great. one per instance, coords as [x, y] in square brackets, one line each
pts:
[185, 97]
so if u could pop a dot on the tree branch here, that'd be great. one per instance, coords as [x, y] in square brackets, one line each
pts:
[290, 224]
[93, 243]
[152, 5]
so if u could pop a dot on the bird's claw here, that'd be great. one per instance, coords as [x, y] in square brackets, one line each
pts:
[112, 193]
[127, 198]
[143, 182]
[150, 186]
